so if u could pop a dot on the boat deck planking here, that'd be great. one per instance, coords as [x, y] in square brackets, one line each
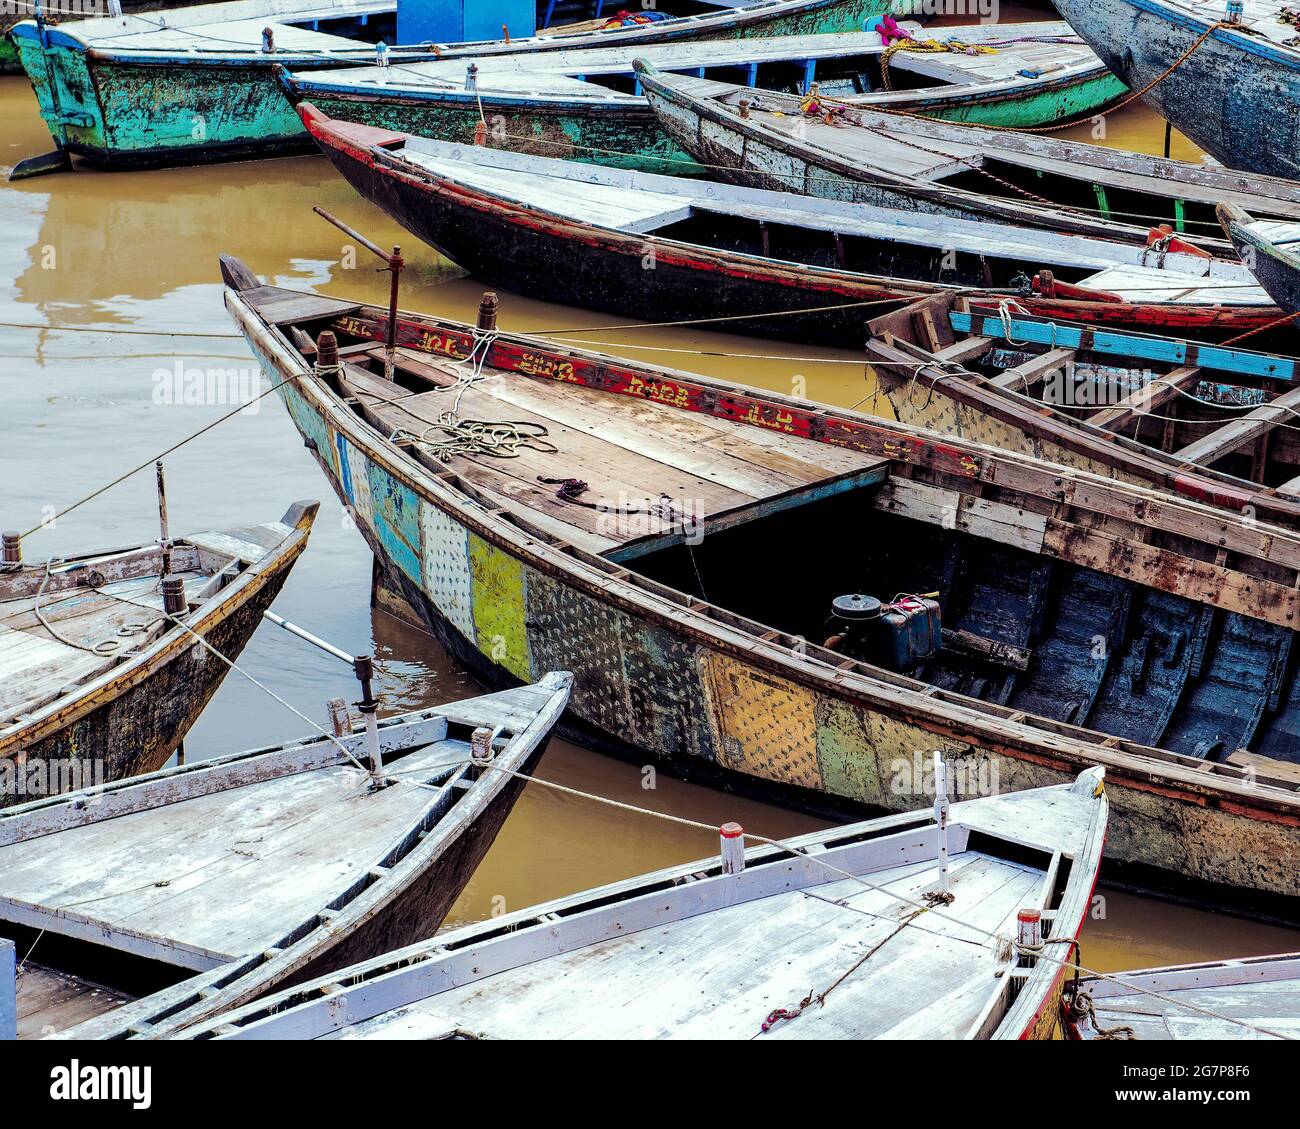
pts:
[918, 984]
[182, 879]
[49, 999]
[727, 951]
[1261, 994]
[635, 455]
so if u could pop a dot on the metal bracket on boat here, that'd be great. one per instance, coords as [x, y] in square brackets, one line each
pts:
[394, 264]
[363, 666]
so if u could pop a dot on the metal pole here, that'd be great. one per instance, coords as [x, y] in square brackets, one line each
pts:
[941, 819]
[162, 521]
[1169, 134]
[363, 667]
[394, 264]
[307, 636]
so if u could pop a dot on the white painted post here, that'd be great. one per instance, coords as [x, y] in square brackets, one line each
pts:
[733, 848]
[941, 817]
[8, 991]
[1029, 933]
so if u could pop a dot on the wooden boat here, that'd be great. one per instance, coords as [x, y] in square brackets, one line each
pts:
[587, 105]
[660, 248]
[126, 92]
[16, 11]
[577, 967]
[1213, 423]
[1251, 998]
[1085, 621]
[946, 167]
[96, 681]
[1268, 248]
[1232, 89]
[154, 903]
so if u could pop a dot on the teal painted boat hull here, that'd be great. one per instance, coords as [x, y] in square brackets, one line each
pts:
[121, 111]
[630, 136]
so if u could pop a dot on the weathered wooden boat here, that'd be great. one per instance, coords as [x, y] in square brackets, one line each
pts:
[1210, 422]
[661, 248]
[587, 104]
[151, 904]
[15, 11]
[97, 680]
[199, 85]
[1084, 621]
[1231, 84]
[1251, 998]
[949, 168]
[912, 935]
[1267, 247]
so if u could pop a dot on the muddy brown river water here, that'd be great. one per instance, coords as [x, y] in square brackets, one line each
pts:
[138, 252]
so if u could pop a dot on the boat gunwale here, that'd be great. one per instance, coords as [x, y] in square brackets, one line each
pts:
[969, 721]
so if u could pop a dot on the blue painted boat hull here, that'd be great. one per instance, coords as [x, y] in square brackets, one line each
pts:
[1236, 96]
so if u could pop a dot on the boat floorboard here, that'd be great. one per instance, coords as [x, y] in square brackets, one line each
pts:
[195, 873]
[49, 1000]
[720, 974]
[632, 453]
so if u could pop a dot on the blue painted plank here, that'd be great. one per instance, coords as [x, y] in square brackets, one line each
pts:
[8, 991]
[1137, 346]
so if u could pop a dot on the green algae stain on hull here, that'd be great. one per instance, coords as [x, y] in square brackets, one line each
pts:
[1027, 111]
[121, 113]
[617, 136]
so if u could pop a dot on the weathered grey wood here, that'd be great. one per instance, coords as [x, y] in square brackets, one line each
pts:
[251, 867]
[1251, 998]
[726, 950]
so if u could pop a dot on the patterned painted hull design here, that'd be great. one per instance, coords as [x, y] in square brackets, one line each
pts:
[121, 109]
[1236, 96]
[666, 679]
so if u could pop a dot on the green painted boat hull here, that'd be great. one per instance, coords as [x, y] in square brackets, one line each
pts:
[122, 113]
[1060, 102]
[625, 137]
[630, 137]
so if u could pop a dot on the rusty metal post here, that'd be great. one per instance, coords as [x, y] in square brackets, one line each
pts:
[164, 535]
[369, 707]
[395, 265]
[173, 592]
[13, 547]
[488, 306]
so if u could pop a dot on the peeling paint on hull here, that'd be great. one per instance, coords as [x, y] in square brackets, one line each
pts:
[119, 112]
[1236, 96]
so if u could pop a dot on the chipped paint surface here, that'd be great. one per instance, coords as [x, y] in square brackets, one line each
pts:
[763, 724]
[499, 629]
[395, 518]
[447, 577]
[619, 136]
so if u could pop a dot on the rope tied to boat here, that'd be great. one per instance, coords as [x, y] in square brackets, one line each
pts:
[493, 439]
[927, 47]
[1077, 1007]
[108, 647]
